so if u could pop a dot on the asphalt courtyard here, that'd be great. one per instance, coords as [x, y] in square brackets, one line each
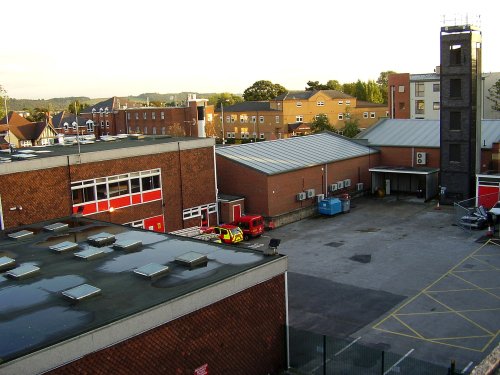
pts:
[397, 275]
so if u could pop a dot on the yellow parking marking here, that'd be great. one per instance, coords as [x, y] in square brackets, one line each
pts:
[454, 271]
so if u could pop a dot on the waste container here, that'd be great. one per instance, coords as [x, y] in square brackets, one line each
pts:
[330, 206]
[345, 201]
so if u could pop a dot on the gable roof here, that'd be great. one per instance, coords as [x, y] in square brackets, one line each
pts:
[249, 107]
[420, 133]
[60, 118]
[284, 155]
[14, 119]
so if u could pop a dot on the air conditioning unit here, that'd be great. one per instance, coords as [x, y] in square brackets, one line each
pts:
[340, 184]
[421, 158]
[310, 193]
[359, 186]
[347, 182]
[320, 197]
[333, 187]
[301, 196]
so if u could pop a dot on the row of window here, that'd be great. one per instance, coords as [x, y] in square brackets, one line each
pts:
[245, 135]
[321, 103]
[244, 119]
[420, 106]
[145, 115]
[193, 212]
[340, 116]
[90, 126]
[113, 186]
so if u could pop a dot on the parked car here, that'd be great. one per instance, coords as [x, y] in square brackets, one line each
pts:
[251, 225]
[227, 233]
[473, 222]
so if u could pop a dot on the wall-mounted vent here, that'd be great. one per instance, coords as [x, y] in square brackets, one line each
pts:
[320, 197]
[192, 259]
[128, 246]
[301, 196]
[333, 187]
[56, 227]
[6, 263]
[89, 254]
[21, 234]
[81, 292]
[359, 186]
[64, 246]
[101, 239]
[421, 158]
[152, 270]
[23, 272]
[310, 193]
[347, 182]
[340, 184]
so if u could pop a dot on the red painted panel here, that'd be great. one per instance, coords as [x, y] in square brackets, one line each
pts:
[236, 212]
[152, 195]
[102, 206]
[487, 196]
[120, 201]
[88, 208]
[136, 199]
[155, 223]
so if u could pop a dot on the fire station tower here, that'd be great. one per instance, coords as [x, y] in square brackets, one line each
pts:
[460, 111]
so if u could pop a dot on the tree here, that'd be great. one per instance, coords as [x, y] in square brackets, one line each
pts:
[351, 128]
[38, 115]
[321, 123]
[79, 107]
[373, 93]
[330, 85]
[3, 97]
[382, 82]
[226, 98]
[349, 88]
[263, 90]
[333, 84]
[494, 92]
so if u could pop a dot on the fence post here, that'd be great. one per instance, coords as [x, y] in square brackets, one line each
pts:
[451, 370]
[382, 367]
[324, 354]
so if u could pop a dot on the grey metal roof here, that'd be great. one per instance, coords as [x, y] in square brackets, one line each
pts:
[421, 133]
[425, 77]
[403, 132]
[284, 155]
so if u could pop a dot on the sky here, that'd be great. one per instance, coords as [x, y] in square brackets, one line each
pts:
[106, 48]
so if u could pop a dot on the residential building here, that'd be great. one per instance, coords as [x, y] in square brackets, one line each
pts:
[157, 183]
[20, 132]
[86, 296]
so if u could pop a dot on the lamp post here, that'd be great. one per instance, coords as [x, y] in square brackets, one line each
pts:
[222, 118]
[2, 91]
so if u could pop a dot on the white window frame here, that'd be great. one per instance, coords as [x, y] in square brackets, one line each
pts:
[341, 102]
[365, 115]
[137, 116]
[298, 104]
[90, 126]
[162, 115]
[372, 114]
[347, 102]
[144, 115]
[153, 115]
[340, 116]
[299, 118]
[320, 103]
[254, 119]
[193, 212]
[277, 119]
[262, 136]
[261, 119]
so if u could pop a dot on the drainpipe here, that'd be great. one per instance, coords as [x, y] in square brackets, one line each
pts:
[412, 157]
[216, 188]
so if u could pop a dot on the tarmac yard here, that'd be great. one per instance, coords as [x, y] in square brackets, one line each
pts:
[396, 275]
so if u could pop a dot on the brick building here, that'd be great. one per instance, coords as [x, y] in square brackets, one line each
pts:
[86, 296]
[157, 183]
[283, 179]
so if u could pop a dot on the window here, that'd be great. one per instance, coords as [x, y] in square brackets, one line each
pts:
[262, 136]
[230, 135]
[90, 126]
[162, 115]
[74, 125]
[144, 115]
[419, 107]
[320, 103]
[228, 119]
[137, 116]
[402, 105]
[150, 182]
[65, 126]
[209, 117]
[365, 114]
[145, 130]
[84, 194]
[456, 54]
[154, 130]
[243, 119]
[347, 102]
[419, 89]
[299, 118]
[102, 124]
[254, 119]
[455, 88]
[261, 119]
[401, 88]
[128, 116]
[245, 135]
[233, 119]
[107, 124]
[455, 120]
[277, 119]
[341, 102]
[137, 130]
[455, 153]
[298, 104]
[341, 116]
[436, 87]
[347, 115]
[163, 130]
[435, 106]
[372, 114]
[153, 115]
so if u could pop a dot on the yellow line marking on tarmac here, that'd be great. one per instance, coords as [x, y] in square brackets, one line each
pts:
[447, 312]
[463, 316]
[407, 326]
[475, 271]
[451, 290]
[461, 337]
[486, 263]
[477, 286]
[489, 342]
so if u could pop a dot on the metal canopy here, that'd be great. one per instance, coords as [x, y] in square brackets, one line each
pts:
[20, 234]
[192, 259]
[89, 254]
[152, 270]
[64, 246]
[81, 292]
[56, 227]
[24, 271]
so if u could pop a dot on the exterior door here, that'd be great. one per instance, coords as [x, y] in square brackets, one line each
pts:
[236, 212]
[204, 217]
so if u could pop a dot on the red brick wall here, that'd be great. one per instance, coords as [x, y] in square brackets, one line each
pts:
[396, 80]
[402, 156]
[46, 194]
[242, 334]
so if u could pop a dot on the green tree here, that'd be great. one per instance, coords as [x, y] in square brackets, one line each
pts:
[382, 82]
[3, 100]
[360, 90]
[38, 115]
[226, 98]
[79, 106]
[351, 128]
[494, 96]
[333, 84]
[263, 90]
[321, 123]
[373, 93]
[349, 88]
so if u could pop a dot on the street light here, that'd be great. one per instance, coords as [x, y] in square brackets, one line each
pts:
[4, 92]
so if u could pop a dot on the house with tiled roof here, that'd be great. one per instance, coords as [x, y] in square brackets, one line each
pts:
[68, 124]
[20, 132]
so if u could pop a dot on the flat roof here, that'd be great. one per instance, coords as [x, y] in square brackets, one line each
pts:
[404, 170]
[35, 313]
